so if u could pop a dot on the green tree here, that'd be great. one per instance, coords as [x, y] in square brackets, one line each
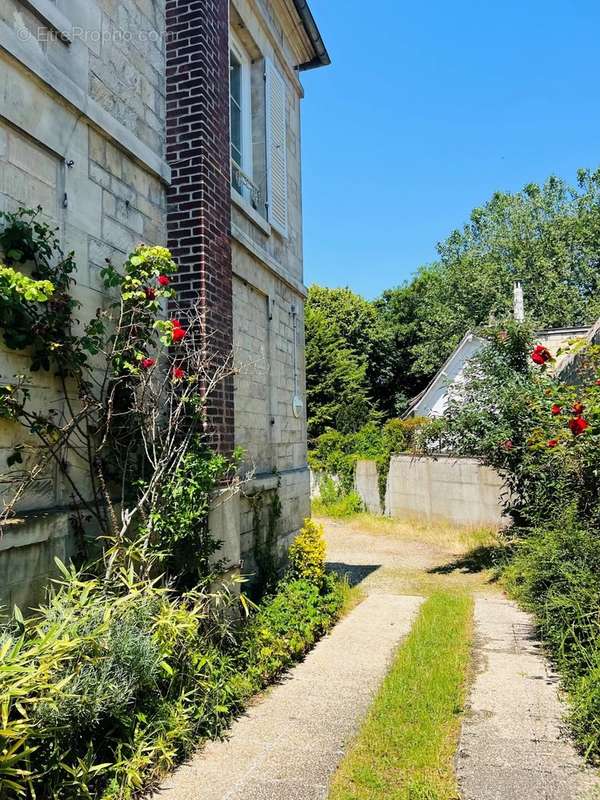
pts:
[546, 236]
[367, 335]
[336, 386]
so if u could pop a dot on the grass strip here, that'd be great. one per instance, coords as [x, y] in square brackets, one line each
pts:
[405, 749]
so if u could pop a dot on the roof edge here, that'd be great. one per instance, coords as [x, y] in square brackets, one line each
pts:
[321, 58]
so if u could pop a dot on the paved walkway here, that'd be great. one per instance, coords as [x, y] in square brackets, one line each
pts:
[288, 745]
[512, 745]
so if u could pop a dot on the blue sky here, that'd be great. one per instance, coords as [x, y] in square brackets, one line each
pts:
[427, 110]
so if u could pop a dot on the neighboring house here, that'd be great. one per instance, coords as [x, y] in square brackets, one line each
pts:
[433, 400]
[574, 368]
[115, 118]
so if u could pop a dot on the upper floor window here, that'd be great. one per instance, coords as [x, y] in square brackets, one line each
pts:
[258, 134]
[240, 116]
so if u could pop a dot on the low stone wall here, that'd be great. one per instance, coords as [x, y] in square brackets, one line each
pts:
[28, 549]
[366, 483]
[461, 491]
[316, 479]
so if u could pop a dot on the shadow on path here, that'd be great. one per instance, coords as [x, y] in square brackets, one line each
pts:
[355, 573]
[477, 560]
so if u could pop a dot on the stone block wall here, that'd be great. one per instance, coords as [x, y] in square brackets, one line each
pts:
[81, 135]
[366, 483]
[258, 27]
[268, 299]
[269, 352]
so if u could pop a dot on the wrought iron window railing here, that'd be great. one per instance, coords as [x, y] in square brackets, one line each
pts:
[240, 181]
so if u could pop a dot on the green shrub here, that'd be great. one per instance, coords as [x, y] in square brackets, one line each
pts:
[585, 710]
[286, 626]
[114, 683]
[307, 553]
[182, 541]
[400, 435]
[336, 454]
[556, 573]
[344, 505]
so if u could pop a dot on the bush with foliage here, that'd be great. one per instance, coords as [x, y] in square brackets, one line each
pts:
[543, 436]
[555, 572]
[540, 433]
[336, 454]
[285, 627]
[115, 682]
[333, 502]
[182, 542]
[307, 553]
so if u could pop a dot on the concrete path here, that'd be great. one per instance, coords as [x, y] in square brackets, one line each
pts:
[288, 745]
[512, 745]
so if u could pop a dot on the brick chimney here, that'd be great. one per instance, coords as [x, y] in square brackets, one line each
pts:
[199, 200]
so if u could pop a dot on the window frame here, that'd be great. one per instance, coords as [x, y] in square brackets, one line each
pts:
[244, 60]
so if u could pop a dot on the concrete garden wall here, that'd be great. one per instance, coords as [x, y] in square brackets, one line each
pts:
[460, 491]
[366, 483]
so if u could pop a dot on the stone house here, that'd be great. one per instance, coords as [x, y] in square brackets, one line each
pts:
[174, 122]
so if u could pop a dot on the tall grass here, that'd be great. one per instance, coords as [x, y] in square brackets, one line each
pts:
[406, 747]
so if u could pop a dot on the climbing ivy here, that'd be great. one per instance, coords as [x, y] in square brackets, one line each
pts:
[265, 536]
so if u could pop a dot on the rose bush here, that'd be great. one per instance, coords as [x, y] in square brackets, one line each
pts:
[543, 436]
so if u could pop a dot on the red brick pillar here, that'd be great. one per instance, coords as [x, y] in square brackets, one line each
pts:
[199, 200]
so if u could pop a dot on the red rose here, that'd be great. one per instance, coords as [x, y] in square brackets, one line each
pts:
[508, 444]
[163, 280]
[552, 442]
[556, 409]
[577, 409]
[577, 425]
[598, 382]
[147, 363]
[178, 333]
[178, 373]
[541, 354]
[150, 293]
[175, 323]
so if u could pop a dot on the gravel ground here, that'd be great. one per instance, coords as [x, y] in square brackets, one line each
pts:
[389, 563]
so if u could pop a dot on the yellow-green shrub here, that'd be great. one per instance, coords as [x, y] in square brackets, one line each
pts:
[307, 553]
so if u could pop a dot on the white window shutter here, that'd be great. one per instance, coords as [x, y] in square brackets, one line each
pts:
[276, 149]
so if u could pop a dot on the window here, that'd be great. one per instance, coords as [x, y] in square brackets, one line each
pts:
[240, 115]
[258, 133]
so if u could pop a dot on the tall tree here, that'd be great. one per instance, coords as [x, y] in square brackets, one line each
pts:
[336, 385]
[547, 236]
